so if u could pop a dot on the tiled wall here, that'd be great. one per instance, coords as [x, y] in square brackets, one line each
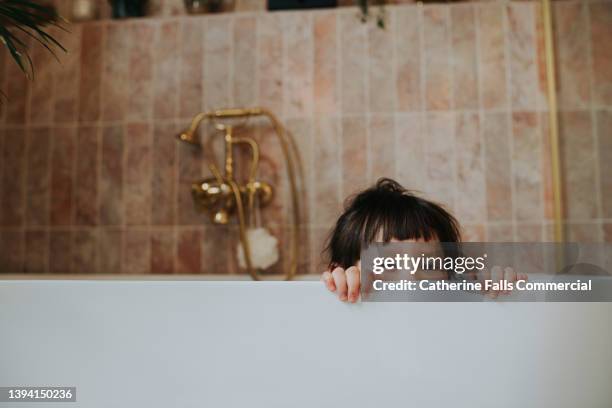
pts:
[449, 99]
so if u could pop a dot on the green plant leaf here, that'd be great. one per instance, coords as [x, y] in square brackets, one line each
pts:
[30, 19]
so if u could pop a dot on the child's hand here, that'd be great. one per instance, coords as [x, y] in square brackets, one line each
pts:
[345, 283]
[497, 275]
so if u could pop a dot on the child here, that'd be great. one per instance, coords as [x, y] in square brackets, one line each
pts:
[386, 212]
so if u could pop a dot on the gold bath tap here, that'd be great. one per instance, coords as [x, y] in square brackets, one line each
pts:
[223, 196]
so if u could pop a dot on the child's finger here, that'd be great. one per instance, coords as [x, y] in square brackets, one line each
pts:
[328, 280]
[496, 276]
[353, 283]
[509, 276]
[340, 281]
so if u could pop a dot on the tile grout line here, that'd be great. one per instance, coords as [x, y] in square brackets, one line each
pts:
[454, 115]
[77, 107]
[482, 120]
[394, 76]
[424, 114]
[25, 173]
[593, 115]
[366, 108]
[176, 147]
[539, 127]
[509, 115]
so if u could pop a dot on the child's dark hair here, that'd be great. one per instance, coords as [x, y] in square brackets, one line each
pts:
[388, 211]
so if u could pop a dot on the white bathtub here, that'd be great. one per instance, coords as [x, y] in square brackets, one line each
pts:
[194, 344]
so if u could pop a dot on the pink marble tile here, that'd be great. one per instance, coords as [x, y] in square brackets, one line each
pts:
[136, 252]
[300, 131]
[354, 56]
[189, 251]
[601, 35]
[62, 175]
[12, 251]
[217, 60]
[41, 88]
[527, 167]
[541, 58]
[354, 155]
[66, 94]
[465, 69]
[607, 237]
[578, 160]
[273, 170]
[471, 184]
[279, 268]
[298, 66]
[162, 251]
[500, 233]
[585, 232]
[522, 51]
[91, 72]
[228, 245]
[112, 173]
[473, 233]
[325, 67]
[60, 251]
[115, 75]
[440, 159]
[436, 48]
[85, 251]
[218, 250]
[269, 66]
[36, 247]
[138, 174]
[37, 194]
[1, 174]
[111, 245]
[164, 186]
[244, 88]
[86, 176]
[382, 87]
[498, 166]
[410, 145]
[4, 57]
[140, 72]
[191, 78]
[546, 169]
[526, 232]
[17, 90]
[319, 257]
[304, 266]
[167, 57]
[408, 59]
[604, 124]
[571, 37]
[190, 166]
[327, 171]
[381, 147]
[490, 16]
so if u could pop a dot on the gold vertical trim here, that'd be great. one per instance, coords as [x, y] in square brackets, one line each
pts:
[553, 121]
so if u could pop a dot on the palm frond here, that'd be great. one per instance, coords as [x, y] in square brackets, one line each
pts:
[30, 19]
